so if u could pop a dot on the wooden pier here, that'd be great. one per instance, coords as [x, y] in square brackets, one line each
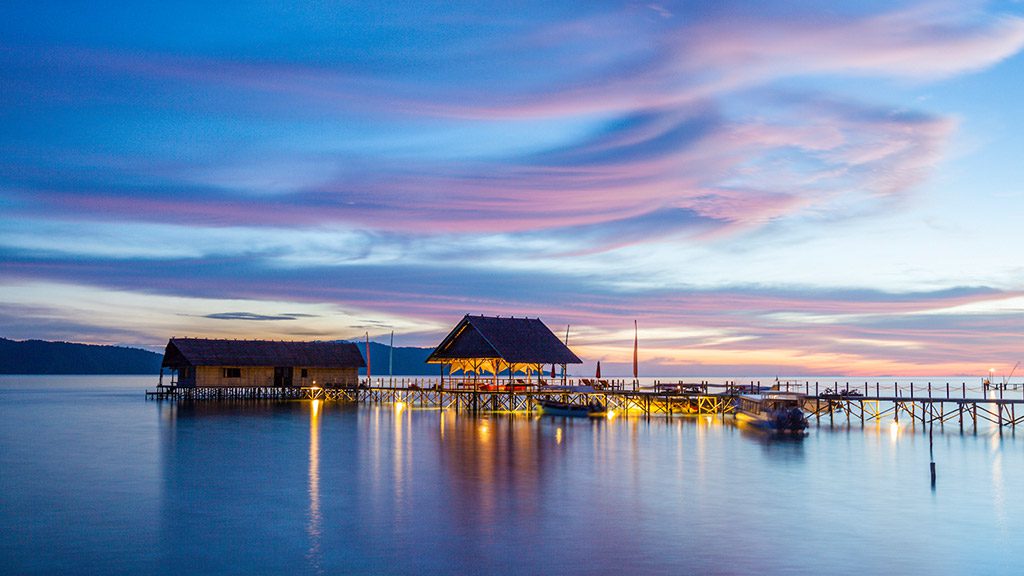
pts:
[836, 405]
[252, 393]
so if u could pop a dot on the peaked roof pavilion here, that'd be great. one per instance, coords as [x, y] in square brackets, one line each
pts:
[494, 344]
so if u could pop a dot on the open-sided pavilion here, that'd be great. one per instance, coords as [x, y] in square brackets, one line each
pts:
[493, 345]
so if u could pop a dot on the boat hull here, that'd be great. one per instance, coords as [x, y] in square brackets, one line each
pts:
[772, 412]
[569, 410]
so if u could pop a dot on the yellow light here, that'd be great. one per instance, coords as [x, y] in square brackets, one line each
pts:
[611, 414]
[399, 406]
[558, 436]
[315, 407]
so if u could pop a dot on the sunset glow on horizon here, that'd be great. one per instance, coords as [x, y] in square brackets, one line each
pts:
[767, 190]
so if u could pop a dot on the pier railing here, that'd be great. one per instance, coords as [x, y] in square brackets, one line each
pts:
[833, 402]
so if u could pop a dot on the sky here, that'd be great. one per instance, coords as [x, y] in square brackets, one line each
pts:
[798, 188]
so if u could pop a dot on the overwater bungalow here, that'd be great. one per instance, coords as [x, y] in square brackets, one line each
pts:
[203, 362]
[480, 345]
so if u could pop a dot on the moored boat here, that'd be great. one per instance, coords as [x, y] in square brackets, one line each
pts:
[593, 408]
[774, 411]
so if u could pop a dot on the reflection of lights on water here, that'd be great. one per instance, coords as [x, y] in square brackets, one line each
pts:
[558, 436]
[314, 484]
[399, 406]
[894, 429]
[611, 414]
[484, 428]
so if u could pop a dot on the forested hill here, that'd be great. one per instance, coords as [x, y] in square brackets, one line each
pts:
[407, 361]
[40, 357]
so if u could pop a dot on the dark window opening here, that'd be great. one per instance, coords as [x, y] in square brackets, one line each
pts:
[305, 373]
[232, 372]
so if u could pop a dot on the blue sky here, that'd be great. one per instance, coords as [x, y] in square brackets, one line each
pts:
[767, 190]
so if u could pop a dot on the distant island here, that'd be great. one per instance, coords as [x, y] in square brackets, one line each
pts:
[408, 360]
[42, 357]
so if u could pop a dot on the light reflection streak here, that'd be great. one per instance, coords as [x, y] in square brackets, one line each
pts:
[315, 554]
[399, 452]
[701, 433]
[998, 489]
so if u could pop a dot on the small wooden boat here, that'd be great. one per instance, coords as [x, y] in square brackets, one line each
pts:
[594, 408]
[774, 411]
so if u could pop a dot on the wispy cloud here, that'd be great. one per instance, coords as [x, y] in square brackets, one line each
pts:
[256, 317]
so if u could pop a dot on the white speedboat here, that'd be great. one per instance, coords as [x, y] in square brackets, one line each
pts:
[775, 411]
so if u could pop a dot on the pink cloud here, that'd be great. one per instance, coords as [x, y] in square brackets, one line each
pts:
[667, 140]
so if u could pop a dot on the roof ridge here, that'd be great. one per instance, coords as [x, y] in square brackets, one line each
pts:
[487, 340]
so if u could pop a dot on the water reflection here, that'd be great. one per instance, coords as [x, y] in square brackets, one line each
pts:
[314, 530]
[490, 462]
[408, 490]
[775, 444]
[998, 489]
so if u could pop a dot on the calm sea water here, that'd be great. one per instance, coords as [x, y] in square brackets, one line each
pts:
[96, 480]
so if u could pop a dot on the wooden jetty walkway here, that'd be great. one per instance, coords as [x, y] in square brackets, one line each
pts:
[838, 404]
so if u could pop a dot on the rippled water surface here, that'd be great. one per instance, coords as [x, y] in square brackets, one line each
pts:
[95, 479]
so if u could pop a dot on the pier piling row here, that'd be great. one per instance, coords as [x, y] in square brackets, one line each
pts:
[834, 406]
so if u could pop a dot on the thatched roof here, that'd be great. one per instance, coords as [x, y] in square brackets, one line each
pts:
[514, 340]
[210, 352]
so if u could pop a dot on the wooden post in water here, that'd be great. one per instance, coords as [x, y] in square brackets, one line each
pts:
[895, 405]
[931, 452]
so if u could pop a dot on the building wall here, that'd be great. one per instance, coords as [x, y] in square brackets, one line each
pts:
[186, 376]
[327, 376]
[254, 376]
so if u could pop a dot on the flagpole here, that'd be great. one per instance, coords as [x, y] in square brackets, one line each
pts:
[635, 343]
[566, 345]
